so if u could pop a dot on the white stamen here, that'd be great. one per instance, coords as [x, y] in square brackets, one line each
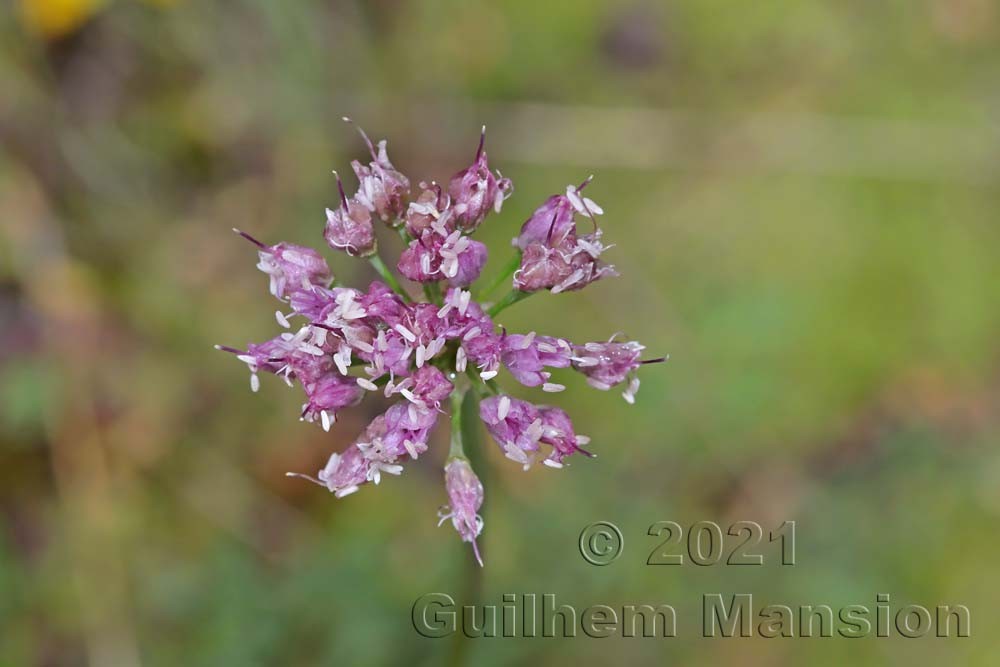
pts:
[574, 198]
[367, 384]
[405, 333]
[553, 387]
[311, 349]
[434, 347]
[343, 359]
[411, 449]
[254, 383]
[282, 320]
[515, 453]
[535, 430]
[594, 208]
[629, 393]
[597, 384]
[361, 345]
[503, 407]
[331, 466]
[349, 310]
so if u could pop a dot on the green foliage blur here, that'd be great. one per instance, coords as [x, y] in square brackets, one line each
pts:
[803, 201]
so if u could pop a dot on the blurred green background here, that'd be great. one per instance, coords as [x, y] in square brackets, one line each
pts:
[803, 197]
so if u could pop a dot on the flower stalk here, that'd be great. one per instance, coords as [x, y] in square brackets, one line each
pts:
[509, 299]
[456, 448]
[505, 275]
[388, 277]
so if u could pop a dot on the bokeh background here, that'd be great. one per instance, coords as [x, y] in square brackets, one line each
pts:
[803, 197]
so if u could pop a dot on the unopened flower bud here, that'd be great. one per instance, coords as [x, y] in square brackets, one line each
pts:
[465, 497]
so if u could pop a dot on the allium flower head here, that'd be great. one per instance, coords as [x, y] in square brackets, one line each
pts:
[434, 354]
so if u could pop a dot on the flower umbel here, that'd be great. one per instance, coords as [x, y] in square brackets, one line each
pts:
[347, 343]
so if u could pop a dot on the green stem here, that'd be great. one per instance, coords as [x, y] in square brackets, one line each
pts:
[388, 277]
[478, 384]
[505, 274]
[472, 576]
[509, 299]
[433, 292]
[456, 450]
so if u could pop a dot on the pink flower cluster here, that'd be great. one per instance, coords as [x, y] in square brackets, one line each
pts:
[419, 353]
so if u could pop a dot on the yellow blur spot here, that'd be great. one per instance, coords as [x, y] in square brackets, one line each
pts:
[55, 18]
